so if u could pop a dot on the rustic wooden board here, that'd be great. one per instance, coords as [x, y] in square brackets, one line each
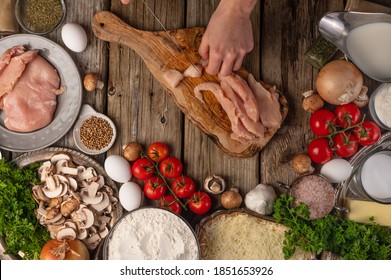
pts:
[160, 54]
[136, 100]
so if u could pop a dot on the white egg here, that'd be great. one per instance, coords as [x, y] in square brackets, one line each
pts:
[118, 168]
[74, 37]
[130, 196]
[336, 170]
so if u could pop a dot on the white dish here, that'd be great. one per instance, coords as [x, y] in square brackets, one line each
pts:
[68, 103]
[86, 112]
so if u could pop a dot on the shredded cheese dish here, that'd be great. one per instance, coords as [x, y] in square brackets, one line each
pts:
[240, 236]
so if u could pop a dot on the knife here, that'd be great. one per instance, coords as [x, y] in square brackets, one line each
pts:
[168, 34]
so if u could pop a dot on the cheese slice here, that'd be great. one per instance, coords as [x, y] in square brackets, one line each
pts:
[361, 210]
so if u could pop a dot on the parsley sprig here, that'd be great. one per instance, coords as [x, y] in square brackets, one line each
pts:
[18, 225]
[349, 239]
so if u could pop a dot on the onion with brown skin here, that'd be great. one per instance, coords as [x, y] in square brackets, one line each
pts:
[339, 82]
[64, 250]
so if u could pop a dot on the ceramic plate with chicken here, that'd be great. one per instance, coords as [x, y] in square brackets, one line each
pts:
[40, 92]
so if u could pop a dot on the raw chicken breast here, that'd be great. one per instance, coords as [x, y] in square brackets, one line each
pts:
[194, 71]
[242, 89]
[8, 54]
[240, 133]
[173, 77]
[32, 102]
[11, 73]
[254, 127]
[269, 106]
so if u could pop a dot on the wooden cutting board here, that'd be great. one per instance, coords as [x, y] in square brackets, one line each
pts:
[160, 54]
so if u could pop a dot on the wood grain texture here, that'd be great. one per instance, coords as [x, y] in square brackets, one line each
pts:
[135, 99]
[160, 54]
[288, 31]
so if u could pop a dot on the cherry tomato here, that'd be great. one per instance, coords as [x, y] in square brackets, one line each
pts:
[320, 151]
[183, 186]
[345, 144]
[154, 188]
[142, 168]
[171, 167]
[347, 115]
[169, 202]
[157, 151]
[200, 203]
[367, 133]
[322, 122]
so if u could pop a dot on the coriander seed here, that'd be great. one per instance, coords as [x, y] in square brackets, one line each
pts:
[96, 133]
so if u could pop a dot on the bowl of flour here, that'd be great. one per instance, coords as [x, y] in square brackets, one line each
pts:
[151, 233]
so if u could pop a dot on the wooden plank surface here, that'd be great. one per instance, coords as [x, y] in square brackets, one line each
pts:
[143, 111]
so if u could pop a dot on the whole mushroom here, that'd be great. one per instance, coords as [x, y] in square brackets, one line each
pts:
[301, 164]
[214, 184]
[231, 199]
[92, 82]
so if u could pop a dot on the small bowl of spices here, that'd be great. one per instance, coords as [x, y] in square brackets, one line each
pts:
[40, 16]
[94, 133]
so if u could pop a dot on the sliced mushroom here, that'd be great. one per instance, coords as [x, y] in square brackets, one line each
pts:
[88, 174]
[105, 219]
[82, 234]
[84, 217]
[91, 200]
[53, 220]
[103, 204]
[214, 184]
[68, 206]
[60, 156]
[55, 202]
[62, 167]
[66, 233]
[38, 194]
[51, 213]
[45, 170]
[73, 184]
[70, 224]
[103, 232]
[93, 241]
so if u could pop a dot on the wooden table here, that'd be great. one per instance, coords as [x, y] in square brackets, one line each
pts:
[142, 111]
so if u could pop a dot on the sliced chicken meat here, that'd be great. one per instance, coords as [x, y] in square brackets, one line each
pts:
[269, 106]
[13, 70]
[242, 89]
[31, 103]
[173, 77]
[8, 54]
[194, 71]
[254, 127]
[239, 131]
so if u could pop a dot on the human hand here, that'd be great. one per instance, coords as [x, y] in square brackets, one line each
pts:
[228, 37]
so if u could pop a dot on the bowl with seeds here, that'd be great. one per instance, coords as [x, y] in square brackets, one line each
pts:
[94, 133]
[40, 16]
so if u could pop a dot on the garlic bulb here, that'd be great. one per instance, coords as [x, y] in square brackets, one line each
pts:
[260, 199]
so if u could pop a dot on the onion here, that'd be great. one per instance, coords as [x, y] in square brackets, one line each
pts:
[64, 250]
[339, 82]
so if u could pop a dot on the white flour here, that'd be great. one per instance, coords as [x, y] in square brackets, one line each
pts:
[152, 234]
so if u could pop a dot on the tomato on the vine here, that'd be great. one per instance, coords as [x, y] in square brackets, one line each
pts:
[322, 122]
[368, 133]
[183, 186]
[155, 188]
[320, 151]
[142, 168]
[345, 144]
[157, 151]
[200, 203]
[169, 202]
[347, 115]
[171, 167]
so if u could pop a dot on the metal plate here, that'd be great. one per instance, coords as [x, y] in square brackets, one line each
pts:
[79, 159]
[68, 103]
[350, 188]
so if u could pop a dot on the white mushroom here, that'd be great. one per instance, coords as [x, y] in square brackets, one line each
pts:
[103, 204]
[62, 167]
[38, 194]
[68, 206]
[91, 200]
[66, 233]
[84, 217]
[52, 187]
[93, 241]
[82, 234]
[45, 170]
[103, 232]
[60, 156]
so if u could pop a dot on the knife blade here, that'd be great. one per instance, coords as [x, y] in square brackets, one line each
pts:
[168, 34]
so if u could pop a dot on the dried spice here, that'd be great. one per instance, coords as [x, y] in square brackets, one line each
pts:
[43, 15]
[96, 133]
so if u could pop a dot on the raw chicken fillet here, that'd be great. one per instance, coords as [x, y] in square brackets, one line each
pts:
[29, 86]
